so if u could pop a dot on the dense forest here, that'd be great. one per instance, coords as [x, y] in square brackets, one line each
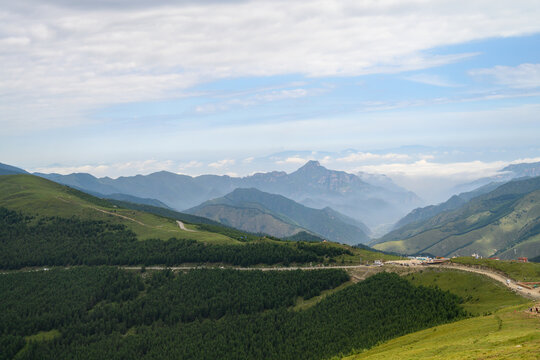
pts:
[27, 241]
[107, 313]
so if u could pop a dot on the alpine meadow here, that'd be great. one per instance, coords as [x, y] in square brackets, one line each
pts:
[258, 179]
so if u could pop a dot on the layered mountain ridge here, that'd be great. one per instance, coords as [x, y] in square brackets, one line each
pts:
[260, 212]
[504, 222]
[311, 185]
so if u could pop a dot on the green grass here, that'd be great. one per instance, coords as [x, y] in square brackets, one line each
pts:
[37, 196]
[302, 304]
[33, 195]
[504, 222]
[481, 294]
[515, 270]
[397, 246]
[361, 256]
[509, 334]
[40, 336]
[43, 336]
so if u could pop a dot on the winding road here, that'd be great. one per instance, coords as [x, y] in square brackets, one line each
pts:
[512, 285]
[531, 294]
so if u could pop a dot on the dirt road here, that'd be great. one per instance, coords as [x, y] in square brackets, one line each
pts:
[531, 294]
[360, 272]
[290, 268]
[120, 216]
[183, 227]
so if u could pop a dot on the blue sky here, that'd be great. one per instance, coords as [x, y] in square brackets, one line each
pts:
[118, 88]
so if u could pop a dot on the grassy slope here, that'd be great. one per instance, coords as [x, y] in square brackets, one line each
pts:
[361, 256]
[302, 304]
[481, 294]
[37, 196]
[481, 232]
[250, 219]
[509, 333]
[515, 270]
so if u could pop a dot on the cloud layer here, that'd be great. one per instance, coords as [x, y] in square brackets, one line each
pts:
[61, 59]
[524, 76]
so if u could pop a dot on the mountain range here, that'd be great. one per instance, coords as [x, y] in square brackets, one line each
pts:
[256, 211]
[503, 222]
[311, 185]
[453, 203]
[11, 170]
[510, 172]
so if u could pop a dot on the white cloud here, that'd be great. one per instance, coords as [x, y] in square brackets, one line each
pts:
[264, 95]
[326, 160]
[190, 165]
[282, 94]
[293, 160]
[222, 163]
[425, 169]
[526, 160]
[59, 63]
[521, 77]
[431, 79]
[367, 156]
[112, 170]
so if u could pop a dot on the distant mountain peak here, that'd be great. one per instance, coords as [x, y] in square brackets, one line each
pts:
[311, 166]
[312, 163]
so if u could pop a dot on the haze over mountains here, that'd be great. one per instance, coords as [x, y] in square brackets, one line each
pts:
[10, 170]
[513, 171]
[260, 212]
[503, 222]
[378, 206]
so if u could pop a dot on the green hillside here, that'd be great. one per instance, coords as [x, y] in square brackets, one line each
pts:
[504, 222]
[505, 335]
[33, 195]
[480, 294]
[502, 328]
[45, 224]
[260, 212]
[515, 270]
[453, 203]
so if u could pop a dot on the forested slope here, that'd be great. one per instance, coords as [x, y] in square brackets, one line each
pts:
[29, 241]
[106, 313]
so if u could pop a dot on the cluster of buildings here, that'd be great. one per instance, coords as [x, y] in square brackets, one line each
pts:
[519, 259]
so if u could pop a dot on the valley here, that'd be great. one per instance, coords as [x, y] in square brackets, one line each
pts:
[125, 280]
[503, 222]
[269, 180]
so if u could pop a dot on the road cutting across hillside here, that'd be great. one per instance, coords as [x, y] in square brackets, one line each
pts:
[183, 227]
[512, 284]
[365, 269]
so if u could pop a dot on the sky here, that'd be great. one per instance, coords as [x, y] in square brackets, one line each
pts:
[408, 88]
